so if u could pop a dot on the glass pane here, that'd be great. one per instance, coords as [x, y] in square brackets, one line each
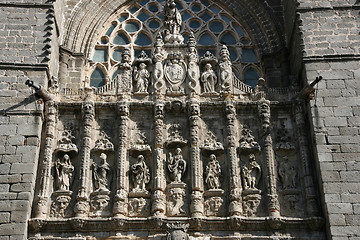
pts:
[100, 55]
[228, 39]
[142, 40]
[225, 18]
[216, 26]
[206, 39]
[215, 9]
[205, 3]
[238, 30]
[153, 8]
[185, 16]
[154, 24]
[251, 77]
[178, 5]
[134, 9]
[132, 27]
[117, 55]
[143, 16]
[205, 16]
[196, 8]
[233, 55]
[104, 41]
[248, 55]
[245, 42]
[97, 78]
[111, 28]
[143, 2]
[121, 39]
[194, 24]
[123, 18]
[115, 74]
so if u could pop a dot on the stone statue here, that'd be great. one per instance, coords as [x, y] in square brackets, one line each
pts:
[141, 174]
[209, 79]
[64, 172]
[141, 78]
[287, 174]
[177, 165]
[100, 173]
[172, 17]
[251, 173]
[213, 173]
[226, 74]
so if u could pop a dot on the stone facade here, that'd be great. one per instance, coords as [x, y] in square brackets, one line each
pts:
[176, 145]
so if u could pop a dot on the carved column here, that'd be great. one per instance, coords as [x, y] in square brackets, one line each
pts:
[264, 114]
[197, 202]
[311, 203]
[122, 183]
[82, 206]
[235, 207]
[44, 191]
[159, 181]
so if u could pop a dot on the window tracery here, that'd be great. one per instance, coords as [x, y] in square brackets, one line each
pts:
[136, 26]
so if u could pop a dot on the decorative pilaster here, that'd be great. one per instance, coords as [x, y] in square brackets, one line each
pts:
[197, 203]
[235, 207]
[311, 203]
[122, 183]
[159, 181]
[82, 206]
[273, 202]
[44, 191]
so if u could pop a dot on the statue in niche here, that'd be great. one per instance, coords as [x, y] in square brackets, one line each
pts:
[100, 173]
[141, 174]
[176, 165]
[59, 206]
[64, 173]
[172, 18]
[213, 173]
[288, 174]
[176, 203]
[141, 78]
[212, 206]
[226, 74]
[251, 173]
[209, 79]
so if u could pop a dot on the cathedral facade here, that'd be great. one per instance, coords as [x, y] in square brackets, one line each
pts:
[180, 119]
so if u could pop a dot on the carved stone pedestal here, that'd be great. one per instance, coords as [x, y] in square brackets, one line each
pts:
[99, 201]
[251, 201]
[176, 199]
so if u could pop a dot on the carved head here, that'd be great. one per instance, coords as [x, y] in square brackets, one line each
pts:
[103, 157]
[212, 158]
[177, 194]
[140, 158]
[178, 151]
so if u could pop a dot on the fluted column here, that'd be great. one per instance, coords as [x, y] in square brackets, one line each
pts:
[159, 181]
[44, 191]
[235, 207]
[264, 114]
[82, 206]
[197, 203]
[310, 196]
[122, 184]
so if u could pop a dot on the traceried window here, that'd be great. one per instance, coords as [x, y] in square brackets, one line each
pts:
[136, 26]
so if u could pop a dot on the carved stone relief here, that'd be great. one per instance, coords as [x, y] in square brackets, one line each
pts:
[60, 205]
[213, 173]
[176, 201]
[140, 175]
[176, 165]
[139, 207]
[141, 75]
[64, 173]
[214, 206]
[177, 231]
[175, 72]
